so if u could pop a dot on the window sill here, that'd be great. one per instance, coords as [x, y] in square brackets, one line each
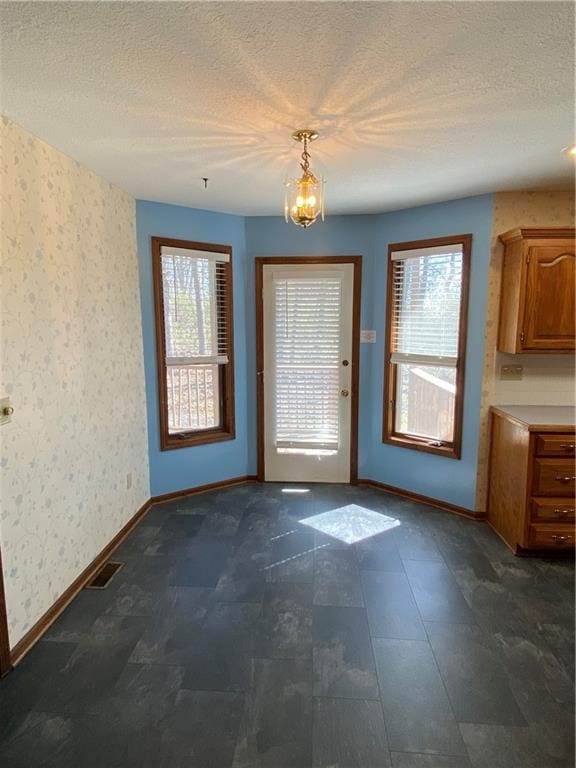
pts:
[449, 451]
[172, 442]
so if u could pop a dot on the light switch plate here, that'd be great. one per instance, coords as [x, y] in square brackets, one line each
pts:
[5, 405]
[511, 372]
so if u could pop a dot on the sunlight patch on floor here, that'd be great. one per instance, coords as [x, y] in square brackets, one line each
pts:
[351, 523]
[295, 490]
[294, 557]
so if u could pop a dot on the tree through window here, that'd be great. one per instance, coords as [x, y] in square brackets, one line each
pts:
[425, 344]
[193, 289]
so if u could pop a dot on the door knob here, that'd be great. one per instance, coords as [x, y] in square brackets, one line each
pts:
[344, 392]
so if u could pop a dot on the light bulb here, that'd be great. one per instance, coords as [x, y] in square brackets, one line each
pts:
[299, 201]
[311, 200]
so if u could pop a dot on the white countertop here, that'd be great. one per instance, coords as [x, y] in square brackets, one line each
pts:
[539, 416]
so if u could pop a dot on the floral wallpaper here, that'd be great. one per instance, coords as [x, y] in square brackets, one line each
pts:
[74, 457]
[519, 209]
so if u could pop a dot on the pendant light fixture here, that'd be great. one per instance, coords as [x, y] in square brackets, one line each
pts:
[304, 197]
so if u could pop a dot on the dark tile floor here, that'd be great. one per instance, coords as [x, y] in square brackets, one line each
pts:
[238, 636]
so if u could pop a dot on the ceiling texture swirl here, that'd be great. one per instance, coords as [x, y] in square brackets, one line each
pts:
[415, 102]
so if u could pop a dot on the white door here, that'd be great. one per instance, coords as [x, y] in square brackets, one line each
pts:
[307, 342]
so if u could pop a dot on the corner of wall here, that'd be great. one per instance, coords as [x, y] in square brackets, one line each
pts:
[75, 453]
[544, 208]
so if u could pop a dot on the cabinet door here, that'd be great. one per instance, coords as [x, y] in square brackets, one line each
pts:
[550, 301]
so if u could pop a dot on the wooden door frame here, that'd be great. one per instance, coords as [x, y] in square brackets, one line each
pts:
[356, 261]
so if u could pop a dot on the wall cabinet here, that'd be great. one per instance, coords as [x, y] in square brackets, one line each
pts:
[537, 303]
[533, 477]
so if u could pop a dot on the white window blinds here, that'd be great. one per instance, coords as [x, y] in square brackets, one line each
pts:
[307, 361]
[426, 296]
[194, 285]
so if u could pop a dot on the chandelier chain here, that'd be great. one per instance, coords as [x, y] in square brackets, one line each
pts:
[305, 164]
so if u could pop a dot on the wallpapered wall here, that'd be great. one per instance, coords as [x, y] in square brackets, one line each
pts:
[71, 357]
[547, 379]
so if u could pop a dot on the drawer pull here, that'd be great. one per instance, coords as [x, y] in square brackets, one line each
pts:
[561, 538]
[568, 446]
[563, 512]
[565, 478]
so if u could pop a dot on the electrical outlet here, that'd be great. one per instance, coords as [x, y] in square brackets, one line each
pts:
[511, 372]
[129, 480]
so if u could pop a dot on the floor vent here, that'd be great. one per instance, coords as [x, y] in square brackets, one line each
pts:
[104, 576]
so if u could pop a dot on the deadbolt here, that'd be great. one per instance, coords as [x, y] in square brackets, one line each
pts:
[344, 392]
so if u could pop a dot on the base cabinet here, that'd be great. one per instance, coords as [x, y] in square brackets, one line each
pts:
[532, 485]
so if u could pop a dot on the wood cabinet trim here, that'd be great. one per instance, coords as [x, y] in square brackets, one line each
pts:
[536, 233]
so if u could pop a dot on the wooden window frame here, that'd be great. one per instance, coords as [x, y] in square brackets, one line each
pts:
[452, 450]
[227, 430]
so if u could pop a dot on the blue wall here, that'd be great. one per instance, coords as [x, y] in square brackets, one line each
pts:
[337, 236]
[442, 478]
[368, 236]
[197, 465]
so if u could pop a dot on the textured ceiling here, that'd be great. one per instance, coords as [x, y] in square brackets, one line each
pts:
[415, 102]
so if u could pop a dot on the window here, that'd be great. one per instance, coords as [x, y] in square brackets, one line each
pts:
[193, 295]
[426, 343]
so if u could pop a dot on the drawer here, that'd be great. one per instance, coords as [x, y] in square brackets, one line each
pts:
[555, 445]
[547, 536]
[554, 477]
[553, 509]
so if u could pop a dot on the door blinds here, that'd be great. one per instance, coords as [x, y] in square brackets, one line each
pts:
[307, 359]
